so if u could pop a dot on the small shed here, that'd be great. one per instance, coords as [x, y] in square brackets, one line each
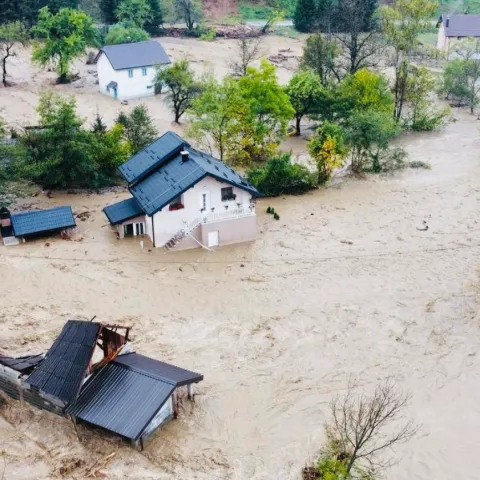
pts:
[42, 222]
[133, 396]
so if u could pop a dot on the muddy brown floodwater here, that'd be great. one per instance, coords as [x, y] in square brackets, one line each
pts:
[343, 286]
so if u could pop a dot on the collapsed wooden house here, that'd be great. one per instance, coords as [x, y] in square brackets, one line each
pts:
[92, 375]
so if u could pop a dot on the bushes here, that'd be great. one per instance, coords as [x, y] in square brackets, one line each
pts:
[280, 176]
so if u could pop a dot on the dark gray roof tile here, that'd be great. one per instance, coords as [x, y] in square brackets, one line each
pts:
[462, 25]
[42, 221]
[123, 211]
[161, 370]
[65, 365]
[121, 400]
[152, 157]
[134, 55]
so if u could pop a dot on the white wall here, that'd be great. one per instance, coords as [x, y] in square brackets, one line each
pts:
[442, 39]
[128, 88]
[167, 223]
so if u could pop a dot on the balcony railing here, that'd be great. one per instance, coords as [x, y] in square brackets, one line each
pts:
[242, 211]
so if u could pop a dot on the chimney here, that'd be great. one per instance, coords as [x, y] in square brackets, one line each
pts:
[184, 155]
[447, 22]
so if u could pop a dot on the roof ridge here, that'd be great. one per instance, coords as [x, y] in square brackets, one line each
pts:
[146, 374]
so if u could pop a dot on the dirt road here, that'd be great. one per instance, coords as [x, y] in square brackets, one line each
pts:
[344, 285]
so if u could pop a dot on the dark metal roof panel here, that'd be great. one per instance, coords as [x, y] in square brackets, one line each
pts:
[121, 400]
[167, 183]
[222, 172]
[134, 55]
[152, 157]
[21, 364]
[123, 211]
[163, 371]
[42, 221]
[63, 370]
[462, 25]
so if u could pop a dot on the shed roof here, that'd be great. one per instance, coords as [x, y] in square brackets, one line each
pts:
[21, 364]
[123, 211]
[42, 221]
[152, 157]
[63, 370]
[161, 370]
[134, 55]
[176, 176]
[462, 25]
[121, 400]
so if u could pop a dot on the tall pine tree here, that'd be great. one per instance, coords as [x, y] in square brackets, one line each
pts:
[109, 9]
[19, 10]
[305, 16]
[153, 25]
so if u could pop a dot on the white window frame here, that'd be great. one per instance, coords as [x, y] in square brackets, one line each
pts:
[144, 71]
[130, 73]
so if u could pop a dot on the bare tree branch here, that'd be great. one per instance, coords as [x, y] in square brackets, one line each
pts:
[362, 425]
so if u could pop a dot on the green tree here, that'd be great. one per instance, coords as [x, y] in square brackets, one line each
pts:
[266, 117]
[304, 90]
[328, 149]
[110, 149]
[58, 155]
[154, 23]
[134, 12]
[368, 132]
[11, 34]
[99, 125]
[139, 128]
[182, 85]
[213, 116]
[368, 90]
[119, 34]
[109, 11]
[319, 54]
[281, 176]
[66, 36]
[25, 11]
[305, 16]
[461, 75]
[402, 25]
[422, 114]
[190, 11]
[56, 5]
[356, 34]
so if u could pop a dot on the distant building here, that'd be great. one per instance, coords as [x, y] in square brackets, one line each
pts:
[456, 27]
[184, 198]
[128, 70]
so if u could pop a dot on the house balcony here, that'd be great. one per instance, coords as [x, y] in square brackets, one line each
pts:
[231, 213]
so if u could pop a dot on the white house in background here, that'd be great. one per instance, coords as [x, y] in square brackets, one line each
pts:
[183, 198]
[456, 27]
[128, 70]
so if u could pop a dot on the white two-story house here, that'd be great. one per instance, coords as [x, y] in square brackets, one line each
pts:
[184, 198]
[128, 70]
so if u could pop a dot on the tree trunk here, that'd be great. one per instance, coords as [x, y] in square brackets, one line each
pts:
[4, 68]
[297, 133]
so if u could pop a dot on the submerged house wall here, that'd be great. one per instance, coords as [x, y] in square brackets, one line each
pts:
[163, 416]
[12, 384]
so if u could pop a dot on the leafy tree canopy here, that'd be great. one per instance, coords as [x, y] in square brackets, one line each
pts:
[66, 36]
[120, 33]
[139, 128]
[134, 12]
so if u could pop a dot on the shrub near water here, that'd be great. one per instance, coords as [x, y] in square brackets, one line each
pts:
[281, 176]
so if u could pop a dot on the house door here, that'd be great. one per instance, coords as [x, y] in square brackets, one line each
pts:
[213, 239]
[115, 93]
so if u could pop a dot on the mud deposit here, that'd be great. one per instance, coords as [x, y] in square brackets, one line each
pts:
[344, 285]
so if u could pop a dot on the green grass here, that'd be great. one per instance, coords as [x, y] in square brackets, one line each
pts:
[254, 12]
[428, 39]
[289, 32]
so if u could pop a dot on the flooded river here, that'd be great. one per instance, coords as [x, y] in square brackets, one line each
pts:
[345, 285]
